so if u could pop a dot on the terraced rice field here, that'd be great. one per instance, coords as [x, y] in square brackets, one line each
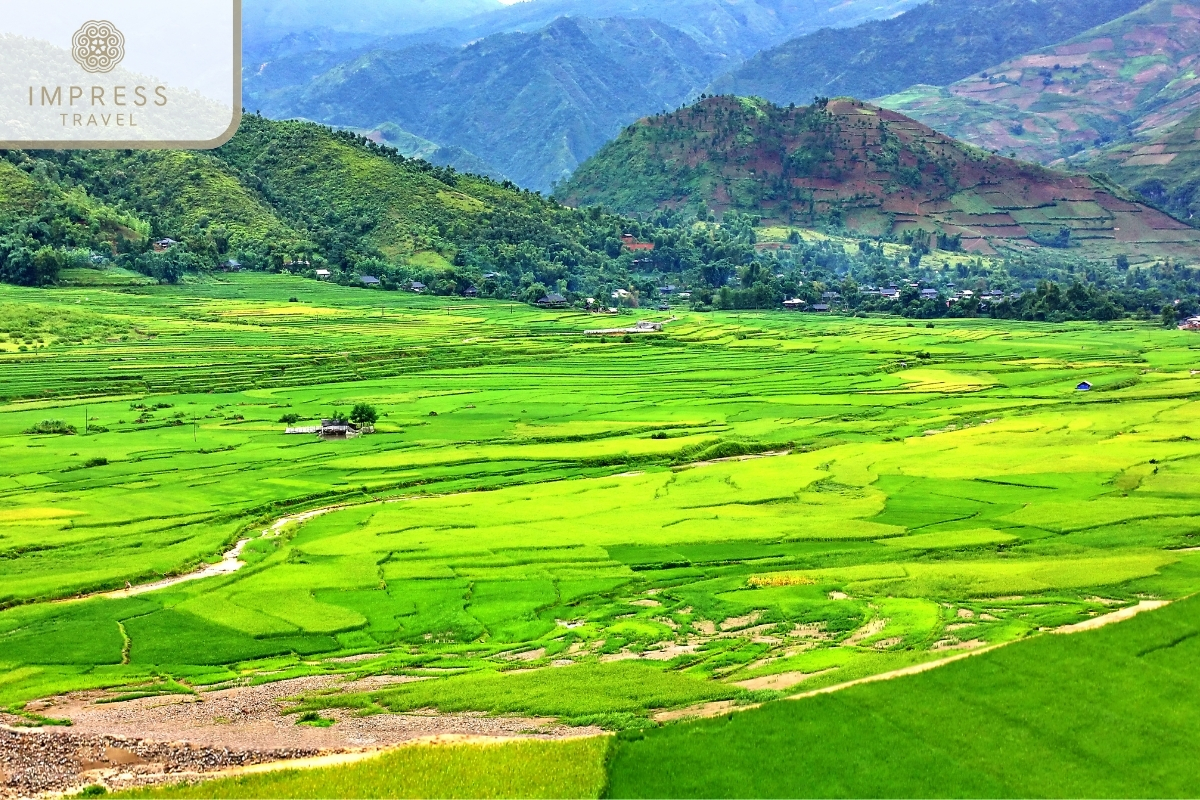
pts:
[604, 532]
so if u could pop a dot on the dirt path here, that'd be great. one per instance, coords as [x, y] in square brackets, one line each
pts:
[230, 562]
[727, 459]
[1087, 625]
[1116, 616]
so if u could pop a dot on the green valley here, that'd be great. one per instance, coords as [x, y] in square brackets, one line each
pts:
[611, 534]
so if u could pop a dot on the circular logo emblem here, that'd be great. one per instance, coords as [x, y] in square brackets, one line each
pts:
[98, 46]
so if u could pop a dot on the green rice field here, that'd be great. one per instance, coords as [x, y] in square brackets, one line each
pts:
[738, 509]
[531, 769]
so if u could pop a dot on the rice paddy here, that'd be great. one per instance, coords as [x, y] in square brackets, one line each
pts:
[738, 509]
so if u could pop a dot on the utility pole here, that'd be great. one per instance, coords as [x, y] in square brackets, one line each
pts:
[85, 420]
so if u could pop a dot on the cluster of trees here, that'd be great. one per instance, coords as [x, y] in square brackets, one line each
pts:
[281, 196]
[1046, 286]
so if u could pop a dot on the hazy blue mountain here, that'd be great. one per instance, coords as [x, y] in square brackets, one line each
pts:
[531, 105]
[734, 28]
[277, 18]
[530, 89]
[936, 43]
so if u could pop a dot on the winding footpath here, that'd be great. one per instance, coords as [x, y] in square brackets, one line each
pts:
[230, 563]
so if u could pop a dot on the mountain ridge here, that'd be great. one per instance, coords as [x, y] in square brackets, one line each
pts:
[1127, 80]
[934, 43]
[550, 95]
[533, 106]
[878, 173]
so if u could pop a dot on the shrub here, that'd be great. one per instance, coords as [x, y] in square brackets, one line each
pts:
[54, 426]
[290, 419]
[315, 720]
[96, 462]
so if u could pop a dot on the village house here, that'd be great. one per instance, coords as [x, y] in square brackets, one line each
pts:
[331, 429]
[232, 265]
[794, 305]
[471, 291]
[820, 307]
[630, 242]
[323, 274]
[643, 326]
[929, 294]
[416, 286]
[163, 245]
[1190, 324]
[553, 300]
[368, 280]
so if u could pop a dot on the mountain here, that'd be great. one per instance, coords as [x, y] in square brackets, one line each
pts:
[265, 19]
[532, 105]
[735, 29]
[1130, 79]
[1164, 169]
[934, 43]
[874, 171]
[531, 89]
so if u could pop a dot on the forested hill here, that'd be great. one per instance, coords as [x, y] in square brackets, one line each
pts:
[298, 195]
[877, 172]
[936, 43]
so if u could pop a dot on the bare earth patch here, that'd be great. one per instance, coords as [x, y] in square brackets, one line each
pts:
[167, 738]
[778, 682]
[702, 711]
[872, 628]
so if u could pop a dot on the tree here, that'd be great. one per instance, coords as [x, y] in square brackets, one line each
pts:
[1169, 317]
[364, 414]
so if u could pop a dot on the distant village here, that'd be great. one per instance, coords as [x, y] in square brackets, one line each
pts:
[646, 295]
